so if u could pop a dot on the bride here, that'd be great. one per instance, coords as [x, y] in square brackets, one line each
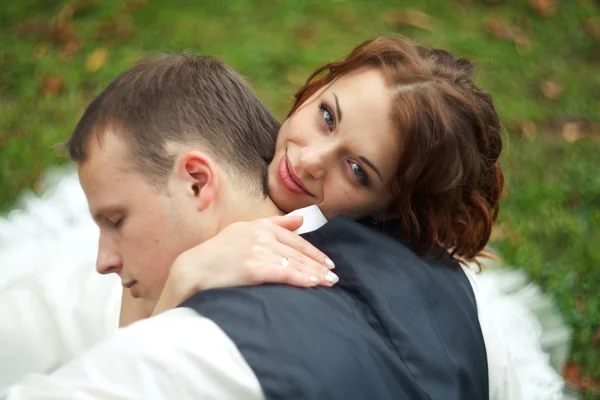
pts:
[438, 110]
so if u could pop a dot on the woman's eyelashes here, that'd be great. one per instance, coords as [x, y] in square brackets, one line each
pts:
[327, 116]
[359, 173]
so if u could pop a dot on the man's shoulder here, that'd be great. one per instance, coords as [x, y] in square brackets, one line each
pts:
[303, 343]
[361, 243]
[259, 304]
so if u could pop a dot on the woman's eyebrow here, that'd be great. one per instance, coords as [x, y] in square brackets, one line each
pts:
[337, 107]
[373, 167]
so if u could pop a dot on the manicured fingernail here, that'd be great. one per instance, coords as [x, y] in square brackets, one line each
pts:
[314, 279]
[329, 263]
[331, 277]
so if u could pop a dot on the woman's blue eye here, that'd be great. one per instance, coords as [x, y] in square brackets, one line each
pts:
[327, 116]
[360, 174]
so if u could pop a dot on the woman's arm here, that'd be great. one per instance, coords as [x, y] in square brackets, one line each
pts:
[244, 254]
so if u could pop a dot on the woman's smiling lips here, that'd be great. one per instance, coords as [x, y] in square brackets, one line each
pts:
[290, 180]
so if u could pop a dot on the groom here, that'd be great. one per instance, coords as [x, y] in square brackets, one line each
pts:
[173, 151]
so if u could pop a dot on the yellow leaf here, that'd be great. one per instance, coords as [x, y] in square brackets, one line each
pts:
[571, 132]
[96, 60]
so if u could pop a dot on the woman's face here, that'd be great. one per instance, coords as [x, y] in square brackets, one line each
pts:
[339, 150]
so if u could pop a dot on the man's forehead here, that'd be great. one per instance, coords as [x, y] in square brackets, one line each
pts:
[106, 145]
[102, 175]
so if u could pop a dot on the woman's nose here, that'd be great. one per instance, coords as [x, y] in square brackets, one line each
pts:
[316, 160]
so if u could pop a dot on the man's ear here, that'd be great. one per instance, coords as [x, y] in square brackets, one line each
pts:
[199, 174]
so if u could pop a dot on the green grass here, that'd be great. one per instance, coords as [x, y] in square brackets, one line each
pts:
[551, 210]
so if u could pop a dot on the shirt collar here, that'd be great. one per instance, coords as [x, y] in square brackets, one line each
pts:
[313, 219]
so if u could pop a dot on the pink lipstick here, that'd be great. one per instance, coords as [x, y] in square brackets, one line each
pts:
[289, 179]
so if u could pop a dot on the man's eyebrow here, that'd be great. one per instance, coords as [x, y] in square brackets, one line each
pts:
[373, 167]
[337, 107]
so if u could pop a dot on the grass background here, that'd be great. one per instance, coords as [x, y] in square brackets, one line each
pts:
[540, 59]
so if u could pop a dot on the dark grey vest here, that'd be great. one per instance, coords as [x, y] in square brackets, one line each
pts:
[394, 327]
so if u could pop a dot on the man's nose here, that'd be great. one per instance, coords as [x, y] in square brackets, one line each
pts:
[108, 260]
[317, 159]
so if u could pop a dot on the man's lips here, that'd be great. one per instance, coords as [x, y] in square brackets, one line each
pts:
[129, 284]
[289, 179]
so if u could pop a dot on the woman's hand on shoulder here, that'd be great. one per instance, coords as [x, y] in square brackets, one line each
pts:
[248, 253]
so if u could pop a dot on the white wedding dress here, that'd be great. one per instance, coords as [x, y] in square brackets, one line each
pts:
[53, 305]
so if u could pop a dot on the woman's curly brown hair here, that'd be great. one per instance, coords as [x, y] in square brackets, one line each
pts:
[448, 182]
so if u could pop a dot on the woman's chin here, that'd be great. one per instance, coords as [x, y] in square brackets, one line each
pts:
[287, 202]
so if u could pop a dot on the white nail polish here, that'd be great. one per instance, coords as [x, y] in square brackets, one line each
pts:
[314, 279]
[329, 263]
[331, 277]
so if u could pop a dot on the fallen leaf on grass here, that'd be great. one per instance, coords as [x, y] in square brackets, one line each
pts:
[40, 50]
[571, 132]
[523, 21]
[96, 59]
[498, 27]
[62, 34]
[592, 28]
[58, 30]
[551, 89]
[66, 14]
[414, 18]
[572, 374]
[51, 85]
[119, 28]
[133, 5]
[305, 35]
[596, 337]
[573, 378]
[528, 129]
[590, 385]
[580, 302]
[296, 77]
[69, 49]
[72, 8]
[574, 204]
[546, 8]
[63, 24]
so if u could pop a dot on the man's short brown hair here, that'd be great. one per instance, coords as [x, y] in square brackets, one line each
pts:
[182, 99]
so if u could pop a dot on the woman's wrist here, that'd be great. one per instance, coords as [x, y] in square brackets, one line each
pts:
[178, 287]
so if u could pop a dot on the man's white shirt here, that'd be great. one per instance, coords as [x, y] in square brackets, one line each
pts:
[175, 355]
[179, 354]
